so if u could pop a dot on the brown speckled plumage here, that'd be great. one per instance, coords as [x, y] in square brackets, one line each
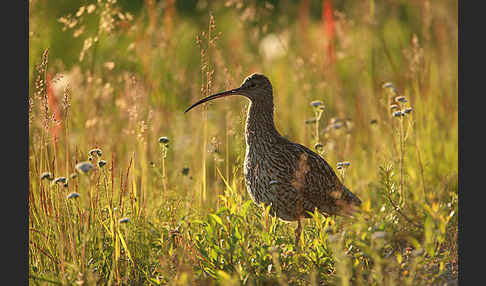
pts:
[288, 176]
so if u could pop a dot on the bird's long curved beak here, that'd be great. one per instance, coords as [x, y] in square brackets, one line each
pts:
[214, 96]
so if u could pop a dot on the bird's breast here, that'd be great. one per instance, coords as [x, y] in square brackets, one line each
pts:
[256, 175]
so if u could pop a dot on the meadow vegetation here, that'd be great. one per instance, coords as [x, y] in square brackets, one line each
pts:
[126, 189]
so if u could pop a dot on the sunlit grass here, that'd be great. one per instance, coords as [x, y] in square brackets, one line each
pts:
[126, 189]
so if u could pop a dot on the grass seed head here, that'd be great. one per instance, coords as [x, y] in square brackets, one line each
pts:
[316, 103]
[401, 99]
[73, 195]
[390, 86]
[60, 180]
[398, 114]
[95, 152]
[84, 167]
[387, 85]
[101, 163]
[124, 220]
[185, 171]
[407, 110]
[163, 140]
[46, 176]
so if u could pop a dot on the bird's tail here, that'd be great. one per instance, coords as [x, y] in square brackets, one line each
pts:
[350, 197]
[349, 202]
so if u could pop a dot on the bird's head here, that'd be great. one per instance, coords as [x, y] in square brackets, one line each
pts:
[255, 87]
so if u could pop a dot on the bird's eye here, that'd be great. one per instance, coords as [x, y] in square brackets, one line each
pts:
[252, 84]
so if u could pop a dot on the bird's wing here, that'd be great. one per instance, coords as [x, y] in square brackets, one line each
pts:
[313, 178]
[318, 173]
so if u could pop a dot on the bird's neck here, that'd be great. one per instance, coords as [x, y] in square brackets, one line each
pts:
[260, 126]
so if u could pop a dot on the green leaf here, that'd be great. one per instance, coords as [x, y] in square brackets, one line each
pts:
[245, 207]
[217, 219]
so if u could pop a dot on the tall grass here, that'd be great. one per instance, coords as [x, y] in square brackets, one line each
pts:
[164, 202]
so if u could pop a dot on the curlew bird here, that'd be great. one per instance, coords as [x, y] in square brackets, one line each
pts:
[289, 177]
